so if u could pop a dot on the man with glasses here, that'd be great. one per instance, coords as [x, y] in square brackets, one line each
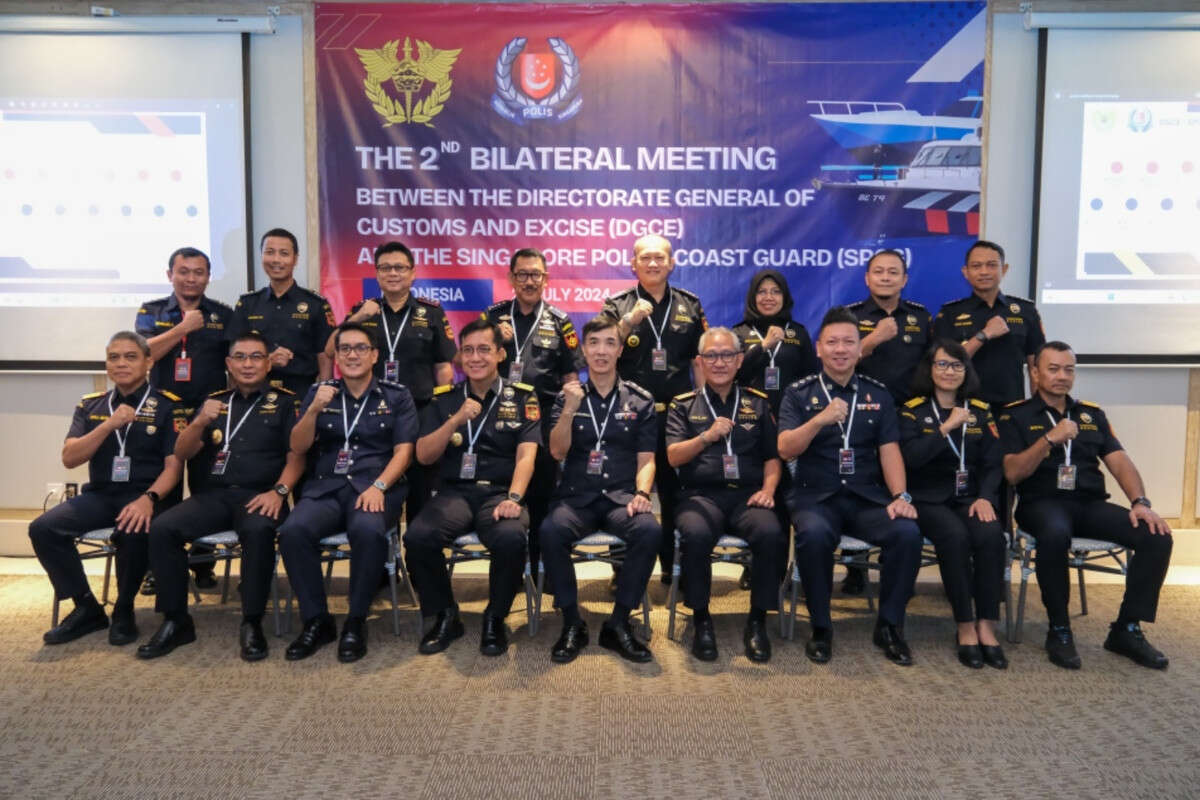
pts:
[661, 325]
[483, 434]
[722, 439]
[416, 344]
[361, 429]
[241, 437]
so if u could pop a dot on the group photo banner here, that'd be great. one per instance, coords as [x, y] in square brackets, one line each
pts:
[801, 138]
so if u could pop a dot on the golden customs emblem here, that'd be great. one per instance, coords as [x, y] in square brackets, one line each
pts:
[408, 76]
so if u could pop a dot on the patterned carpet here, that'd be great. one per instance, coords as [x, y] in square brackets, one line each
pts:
[90, 720]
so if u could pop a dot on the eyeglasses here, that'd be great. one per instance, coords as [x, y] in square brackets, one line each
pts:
[724, 356]
[950, 366]
[360, 349]
[243, 357]
[484, 350]
[528, 277]
[402, 269]
[769, 291]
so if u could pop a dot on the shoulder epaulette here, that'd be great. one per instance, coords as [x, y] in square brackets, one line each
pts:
[174, 398]
[282, 390]
[1087, 403]
[216, 302]
[687, 294]
[495, 307]
[310, 291]
[623, 292]
[956, 302]
[524, 387]
[915, 304]
[391, 384]
[916, 401]
[638, 390]
[857, 304]
[806, 380]
[684, 396]
[980, 404]
[442, 389]
[875, 381]
[429, 301]
[219, 392]
[1022, 299]
[557, 312]
[753, 391]
[93, 395]
[1016, 403]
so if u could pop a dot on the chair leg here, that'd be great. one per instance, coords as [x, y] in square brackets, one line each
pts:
[329, 573]
[868, 589]
[1008, 616]
[195, 589]
[229, 556]
[275, 597]
[1082, 591]
[1025, 570]
[672, 593]
[54, 611]
[391, 575]
[646, 614]
[791, 621]
[541, 588]
[108, 562]
[412, 592]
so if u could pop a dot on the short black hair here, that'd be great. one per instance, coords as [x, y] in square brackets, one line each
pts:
[985, 244]
[836, 316]
[600, 322]
[1061, 347]
[189, 252]
[890, 252]
[481, 324]
[347, 327]
[130, 336]
[922, 380]
[249, 336]
[282, 233]
[526, 252]
[394, 247]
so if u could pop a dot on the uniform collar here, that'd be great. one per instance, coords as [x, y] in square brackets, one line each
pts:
[291, 290]
[173, 302]
[1040, 404]
[642, 294]
[383, 303]
[591, 387]
[1001, 300]
[467, 385]
[133, 397]
[373, 386]
[869, 305]
[832, 385]
[715, 398]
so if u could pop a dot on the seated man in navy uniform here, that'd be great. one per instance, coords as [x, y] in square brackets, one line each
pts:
[1053, 446]
[484, 434]
[240, 437]
[126, 436]
[722, 440]
[843, 431]
[605, 434]
[362, 430]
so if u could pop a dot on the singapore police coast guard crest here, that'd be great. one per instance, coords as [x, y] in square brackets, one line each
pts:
[407, 78]
[546, 86]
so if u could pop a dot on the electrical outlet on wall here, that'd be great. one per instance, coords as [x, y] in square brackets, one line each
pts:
[54, 494]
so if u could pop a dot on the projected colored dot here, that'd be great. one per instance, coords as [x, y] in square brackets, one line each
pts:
[93, 210]
[176, 175]
[8, 173]
[27, 209]
[126, 211]
[1167, 204]
[60, 210]
[1116, 166]
[1152, 167]
[143, 174]
[1097, 204]
[1187, 166]
[192, 211]
[1131, 204]
[159, 211]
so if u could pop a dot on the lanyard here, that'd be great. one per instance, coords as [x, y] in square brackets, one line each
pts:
[537, 317]
[229, 418]
[347, 425]
[737, 393]
[849, 420]
[770, 353]
[592, 413]
[962, 455]
[1067, 444]
[666, 317]
[122, 437]
[392, 341]
[471, 437]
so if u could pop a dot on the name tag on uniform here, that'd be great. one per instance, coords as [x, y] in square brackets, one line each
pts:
[514, 371]
[846, 461]
[391, 371]
[466, 471]
[183, 369]
[342, 465]
[658, 359]
[771, 378]
[729, 463]
[1066, 477]
[122, 466]
[220, 462]
[595, 462]
[962, 482]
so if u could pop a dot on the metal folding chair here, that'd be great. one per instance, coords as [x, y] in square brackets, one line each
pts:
[468, 548]
[611, 551]
[851, 552]
[224, 546]
[93, 544]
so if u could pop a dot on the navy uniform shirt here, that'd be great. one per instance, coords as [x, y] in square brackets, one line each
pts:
[753, 437]
[150, 438]
[206, 347]
[632, 428]
[893, 362]
[794, 357]
[299, 320]
[1000, 362]
[680, 338]
[389, 419]
[1024, 422]
[816, 475]
[551, 346]
[931, 464]
[425, 340]
[513, 420]
[259, 447]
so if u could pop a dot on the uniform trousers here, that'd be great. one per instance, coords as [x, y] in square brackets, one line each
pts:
[970, 558]
[666, 484]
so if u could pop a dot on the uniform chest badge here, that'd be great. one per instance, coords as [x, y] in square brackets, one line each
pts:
[1014, 308]
[151, 403]
[217, 436]
[971, 420]
[912, 320]
[1085, 418]
[633, 340]
[271, 397]
[302, 307]
[508, 393]
[456, 439]
[151, 429]
[789, 332]
[420, 311]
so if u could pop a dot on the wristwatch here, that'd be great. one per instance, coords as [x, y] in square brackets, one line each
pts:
[517, 498]
[154, 498]
[905, 496]
[282, 490]
[380, 485]
[981, 336]
[640, 493]
[1141, 501]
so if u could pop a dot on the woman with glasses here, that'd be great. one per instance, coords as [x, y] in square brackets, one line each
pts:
[953, 458]
[778, 349]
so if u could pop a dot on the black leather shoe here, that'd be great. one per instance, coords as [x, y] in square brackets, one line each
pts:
[1060, 647]
[169, 635]
[744, 580]
[149, 587]
[855, 581]
[758, 644]
[704, 643]
[253, 643]
[353, 644]
[1128, 640]
[493, 641]
[620, 639]
[123, 630]
[993, 656]
[970, 655]
[889, 637]
[84, 619]
[206, 578]
[819, 648]
[446, 628]
[573, 639]
[318, 632]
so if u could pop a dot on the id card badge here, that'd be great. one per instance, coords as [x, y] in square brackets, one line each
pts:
[220, 462]
[962, 482]
[122, 466]
[729, 463]
[846, 461]
[1066, 477]
[771, 378]
[391, 371]
[658, 359]
[342, 465]
[466, 472]
[183, 370]
[595, 462]
[514, 371]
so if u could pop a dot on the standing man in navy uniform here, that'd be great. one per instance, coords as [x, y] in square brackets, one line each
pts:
[1053, 445]
[416, 345]
[605, 433]
[241, 435]
[361, 430]
[661, 325]
[295, 321]
[842, 430]
[484, 434]
[722, 439]
[542, 350]
[126, 436]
